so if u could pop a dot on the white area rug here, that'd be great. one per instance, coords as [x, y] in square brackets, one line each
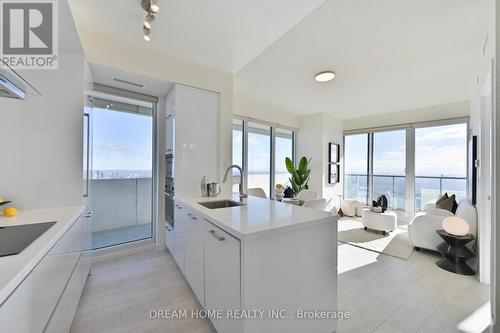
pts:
[394, 244]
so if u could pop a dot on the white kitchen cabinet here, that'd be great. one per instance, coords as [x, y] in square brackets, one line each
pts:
[62, 317]
[196, 137]
[169, 134]
[179, 250]
[169, 238]
[222, 276]
[54, 285]
[194, 258]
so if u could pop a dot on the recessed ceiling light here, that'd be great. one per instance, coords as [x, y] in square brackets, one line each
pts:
[324, 76]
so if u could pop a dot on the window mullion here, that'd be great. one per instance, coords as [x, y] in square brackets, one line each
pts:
[272, 162]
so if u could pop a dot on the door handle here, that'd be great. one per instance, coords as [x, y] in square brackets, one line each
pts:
[219, 238]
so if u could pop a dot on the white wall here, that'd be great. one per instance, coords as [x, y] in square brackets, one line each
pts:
[315, 132]
[436, 112]
[264, 111]
[42, 138]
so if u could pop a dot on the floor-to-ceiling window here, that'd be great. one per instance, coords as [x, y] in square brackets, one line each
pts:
[122, 177]
[389, 165]
[356, 167]
[284, 148]
[237, 151]
[440, 162]
[411, 165]
[259, 157]
[260, 149]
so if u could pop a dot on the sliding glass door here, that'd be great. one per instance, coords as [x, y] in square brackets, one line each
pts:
[122, 179]
[389, 164]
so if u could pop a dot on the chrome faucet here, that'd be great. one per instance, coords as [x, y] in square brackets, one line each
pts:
[240, 186]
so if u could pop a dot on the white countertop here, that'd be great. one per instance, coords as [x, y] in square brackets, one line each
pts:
[15, 268]
[258, 217]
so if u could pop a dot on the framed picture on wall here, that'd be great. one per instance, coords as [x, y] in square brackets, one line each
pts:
[333, 153]
[333, 173]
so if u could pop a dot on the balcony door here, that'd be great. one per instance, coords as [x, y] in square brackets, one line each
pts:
[122, 176]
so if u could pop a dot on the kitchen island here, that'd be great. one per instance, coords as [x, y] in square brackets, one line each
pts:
[259, 266]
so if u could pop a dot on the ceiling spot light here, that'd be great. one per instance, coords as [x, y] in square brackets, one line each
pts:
[147, 34]
[150, 18]
[324, 76]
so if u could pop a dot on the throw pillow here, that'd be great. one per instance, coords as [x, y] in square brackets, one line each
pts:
[442, 198]
[447, 204]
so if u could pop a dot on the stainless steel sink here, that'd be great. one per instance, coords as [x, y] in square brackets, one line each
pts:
[220, 204]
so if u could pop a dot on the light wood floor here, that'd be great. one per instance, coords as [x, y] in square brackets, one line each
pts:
[382, 293]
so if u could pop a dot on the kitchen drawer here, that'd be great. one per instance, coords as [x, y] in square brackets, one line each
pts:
[63, 315]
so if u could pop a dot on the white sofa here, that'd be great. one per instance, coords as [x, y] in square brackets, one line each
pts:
[422, 229]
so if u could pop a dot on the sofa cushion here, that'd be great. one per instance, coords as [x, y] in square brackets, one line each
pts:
[447, 204]
[442, 198]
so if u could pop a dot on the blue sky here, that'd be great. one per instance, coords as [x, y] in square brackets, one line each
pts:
[121, 141]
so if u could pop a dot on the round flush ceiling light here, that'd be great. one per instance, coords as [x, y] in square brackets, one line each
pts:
[324, 76]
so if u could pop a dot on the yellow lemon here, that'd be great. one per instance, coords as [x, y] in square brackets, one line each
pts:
[10, 212]
[1, 200]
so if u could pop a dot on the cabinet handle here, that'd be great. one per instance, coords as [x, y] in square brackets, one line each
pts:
[194, 218]
[189, 214]
[89, 214]
[168, 228]
[179, 207]
[219, 238]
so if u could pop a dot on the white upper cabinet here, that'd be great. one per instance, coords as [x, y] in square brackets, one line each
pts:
[170, 122]
[196, 137]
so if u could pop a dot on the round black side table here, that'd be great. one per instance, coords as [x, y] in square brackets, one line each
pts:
[455, 253]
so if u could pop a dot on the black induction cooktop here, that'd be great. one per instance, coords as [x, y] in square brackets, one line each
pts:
[14, 239]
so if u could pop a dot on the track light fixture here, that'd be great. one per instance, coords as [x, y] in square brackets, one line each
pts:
[146, 34]
[150, 18]
[151, 7]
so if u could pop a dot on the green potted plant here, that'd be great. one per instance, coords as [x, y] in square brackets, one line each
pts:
[299, 176]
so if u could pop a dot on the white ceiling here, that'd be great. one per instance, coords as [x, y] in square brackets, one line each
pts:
[153, 87]
[221, 34]
[389, 55]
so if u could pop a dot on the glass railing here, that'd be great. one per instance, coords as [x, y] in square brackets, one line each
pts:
[427, 188]
[122, 211]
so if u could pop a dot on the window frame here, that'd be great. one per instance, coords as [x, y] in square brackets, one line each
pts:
[410, 203]
[272, 137]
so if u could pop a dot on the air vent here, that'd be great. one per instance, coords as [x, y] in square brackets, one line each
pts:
[138, 85]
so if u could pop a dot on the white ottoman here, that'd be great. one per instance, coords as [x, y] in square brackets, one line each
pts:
[379, 221]
[351, 207]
